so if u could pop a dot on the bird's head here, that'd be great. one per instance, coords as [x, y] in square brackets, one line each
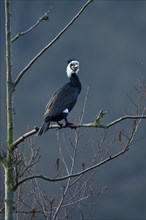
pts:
[72, 67]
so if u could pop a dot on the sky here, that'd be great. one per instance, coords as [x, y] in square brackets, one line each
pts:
[108, 39]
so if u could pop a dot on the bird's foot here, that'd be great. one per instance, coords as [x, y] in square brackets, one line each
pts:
[61, 125]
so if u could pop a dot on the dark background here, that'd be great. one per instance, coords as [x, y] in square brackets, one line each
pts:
[109, 42]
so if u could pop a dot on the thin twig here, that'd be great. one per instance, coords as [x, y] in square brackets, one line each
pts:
[68, 180]
[44, 17]
[124, 118]
[84, 105]
[61, 154]
[38, 196]
[51, 43]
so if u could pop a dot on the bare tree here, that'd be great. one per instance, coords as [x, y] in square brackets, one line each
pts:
[73, 177]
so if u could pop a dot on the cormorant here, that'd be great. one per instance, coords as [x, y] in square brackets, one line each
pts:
[63, 101]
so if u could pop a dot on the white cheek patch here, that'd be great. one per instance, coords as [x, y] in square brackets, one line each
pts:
[69, 70]
[66, 111]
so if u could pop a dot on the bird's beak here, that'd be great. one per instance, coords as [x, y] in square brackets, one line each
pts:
[76, 66]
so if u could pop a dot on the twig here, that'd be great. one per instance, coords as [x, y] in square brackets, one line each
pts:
[124, 118]
[84, 105]
[75, 202]
[133, 133]
[51, 43]
[38, 196]
[68, 180]
[61, 154]
[28, 164]
[44, 17]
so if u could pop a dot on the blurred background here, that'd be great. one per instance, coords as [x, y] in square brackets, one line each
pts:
[108, 40]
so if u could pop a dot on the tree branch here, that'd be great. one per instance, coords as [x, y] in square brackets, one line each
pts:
[42, 18]
[40, 176]
[51, 43]
[23, 137]
[95, 124]
[125, 118]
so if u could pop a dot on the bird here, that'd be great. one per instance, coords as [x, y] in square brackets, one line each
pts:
[62, 101]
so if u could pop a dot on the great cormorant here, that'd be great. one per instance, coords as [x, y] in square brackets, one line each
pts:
[63, 101]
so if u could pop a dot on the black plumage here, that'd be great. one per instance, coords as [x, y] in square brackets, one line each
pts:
[63, 101]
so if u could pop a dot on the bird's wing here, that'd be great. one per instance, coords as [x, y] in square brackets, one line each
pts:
[65, 98]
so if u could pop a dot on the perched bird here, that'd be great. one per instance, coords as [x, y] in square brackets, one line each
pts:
[63, 101]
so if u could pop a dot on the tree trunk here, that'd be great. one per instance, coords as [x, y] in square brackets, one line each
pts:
[9, 193]
[8, 164]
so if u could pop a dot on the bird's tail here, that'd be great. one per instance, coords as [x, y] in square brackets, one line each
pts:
[44, 127]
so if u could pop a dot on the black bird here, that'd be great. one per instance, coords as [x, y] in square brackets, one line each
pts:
[63, 101]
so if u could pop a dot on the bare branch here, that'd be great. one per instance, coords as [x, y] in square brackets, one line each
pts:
[95, 124]
[44, 17]
[27, 164]
[98, 125]
[40, 176]
[51, 43]
[24, 136]
[125, 118]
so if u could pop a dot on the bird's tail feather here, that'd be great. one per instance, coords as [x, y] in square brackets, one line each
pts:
[44, 127]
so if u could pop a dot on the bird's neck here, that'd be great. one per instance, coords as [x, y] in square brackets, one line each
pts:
[75, 82]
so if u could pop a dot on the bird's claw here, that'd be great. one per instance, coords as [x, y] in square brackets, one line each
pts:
[61, 125]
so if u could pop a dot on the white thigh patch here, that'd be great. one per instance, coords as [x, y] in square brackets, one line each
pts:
[66, 111]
